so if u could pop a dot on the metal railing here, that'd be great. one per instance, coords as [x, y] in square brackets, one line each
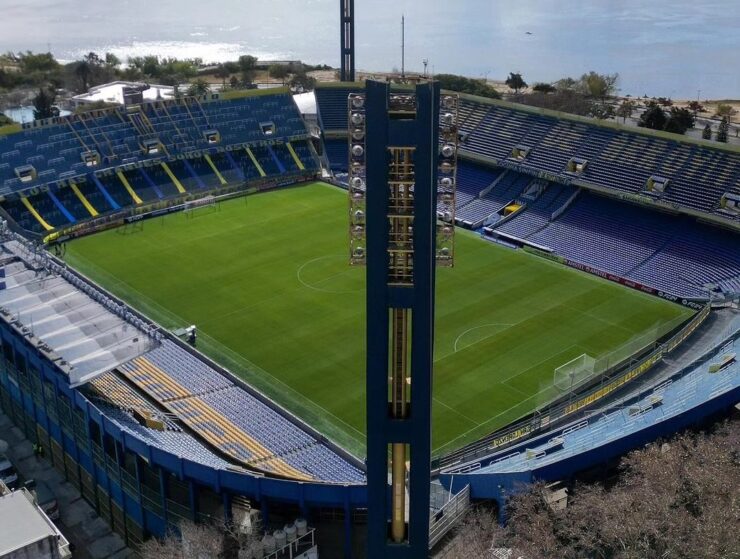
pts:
[295, 548]
[444, 519]
[545, 418]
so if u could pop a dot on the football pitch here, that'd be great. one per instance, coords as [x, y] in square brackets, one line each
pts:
[266, 279]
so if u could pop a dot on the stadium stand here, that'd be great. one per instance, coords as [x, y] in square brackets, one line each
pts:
[127, 372]
[332, 103]
[703, 387]
[155, 150]
[337, 152]
[617, 158]
[671, 253]
[236, 422]
[657, 249]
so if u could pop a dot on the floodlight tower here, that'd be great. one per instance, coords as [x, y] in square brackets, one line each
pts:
[347, 26]
[403, 160]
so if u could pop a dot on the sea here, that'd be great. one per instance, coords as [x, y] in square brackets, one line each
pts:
[681, 49]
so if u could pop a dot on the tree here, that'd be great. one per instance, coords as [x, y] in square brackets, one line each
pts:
[723, 129]
[542, 87]
[653, 117]
[41, 62]
[223, 73]
[301, 81]
[625, 109]
[679, 120]
[696, 107]
[462, 84]
[43, 104]
[707, 132]
[83, 71]
[676, 499]
[515, 82]
[665, 102]
[234, 82]
[199, 87]
[111, 60]
[247, 65]
[726, 110]
[565, 100]
[602, 111]
[217, 539]
[599, 86]
[278, 71]
[566, 84]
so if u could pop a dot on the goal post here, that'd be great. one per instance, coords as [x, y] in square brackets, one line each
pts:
[571, 374]
[191, 206]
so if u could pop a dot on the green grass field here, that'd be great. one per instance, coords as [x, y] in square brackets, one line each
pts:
[267, 281]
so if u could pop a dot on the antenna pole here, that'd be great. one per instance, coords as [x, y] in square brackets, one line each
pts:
[403, 47]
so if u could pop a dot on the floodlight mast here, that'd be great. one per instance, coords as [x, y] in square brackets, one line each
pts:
[347, 30]
[402, 199]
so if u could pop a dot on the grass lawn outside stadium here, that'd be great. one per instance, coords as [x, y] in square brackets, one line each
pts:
[266, 279]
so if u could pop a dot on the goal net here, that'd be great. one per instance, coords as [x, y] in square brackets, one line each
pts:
[573, 373]
[207, 202]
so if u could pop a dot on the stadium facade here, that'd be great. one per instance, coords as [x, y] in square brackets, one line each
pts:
[153, 432]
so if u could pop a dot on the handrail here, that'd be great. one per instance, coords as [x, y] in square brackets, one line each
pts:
[519, 430]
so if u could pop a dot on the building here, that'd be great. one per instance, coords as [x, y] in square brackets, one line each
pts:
[123, 93]
[26, 532]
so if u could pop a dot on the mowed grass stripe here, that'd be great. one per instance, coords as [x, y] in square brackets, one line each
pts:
[267, 281]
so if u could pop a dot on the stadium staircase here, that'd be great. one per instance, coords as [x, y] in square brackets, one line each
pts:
[36, 214]
[215, 170]
[127, 186]
[85, 202]
[173, 178]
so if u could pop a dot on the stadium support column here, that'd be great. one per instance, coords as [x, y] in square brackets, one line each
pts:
[347, 25]
[393, 201]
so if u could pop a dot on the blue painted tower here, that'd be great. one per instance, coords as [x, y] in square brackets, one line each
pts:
[347, 30]
[401, 186]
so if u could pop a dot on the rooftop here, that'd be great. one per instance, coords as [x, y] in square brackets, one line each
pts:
[22, 523]
[80, 329]
[113, 92]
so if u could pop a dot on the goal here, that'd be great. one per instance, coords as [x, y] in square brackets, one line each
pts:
[206, 203]
[571, 374]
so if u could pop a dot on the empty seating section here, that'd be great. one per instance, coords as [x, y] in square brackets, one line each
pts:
[337, 152]
[471, 180]
[506, 189]
[57, 152]
[696, 257]
[177, 443]
[237, 423]
[617, 158]
[606, 234]
[538, 214]
[668, 252]
[332, 106]
[304, 154]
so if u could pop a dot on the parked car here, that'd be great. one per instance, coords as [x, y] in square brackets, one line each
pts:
[46, 500]
[7, 472]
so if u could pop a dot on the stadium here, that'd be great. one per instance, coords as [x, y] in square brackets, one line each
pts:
[592, 306]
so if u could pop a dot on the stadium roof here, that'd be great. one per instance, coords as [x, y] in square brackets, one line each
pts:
[80, 329]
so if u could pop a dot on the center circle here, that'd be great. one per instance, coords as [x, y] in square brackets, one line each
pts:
[331, 274]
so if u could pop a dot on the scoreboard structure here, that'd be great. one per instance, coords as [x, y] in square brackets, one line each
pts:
[403, 162]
